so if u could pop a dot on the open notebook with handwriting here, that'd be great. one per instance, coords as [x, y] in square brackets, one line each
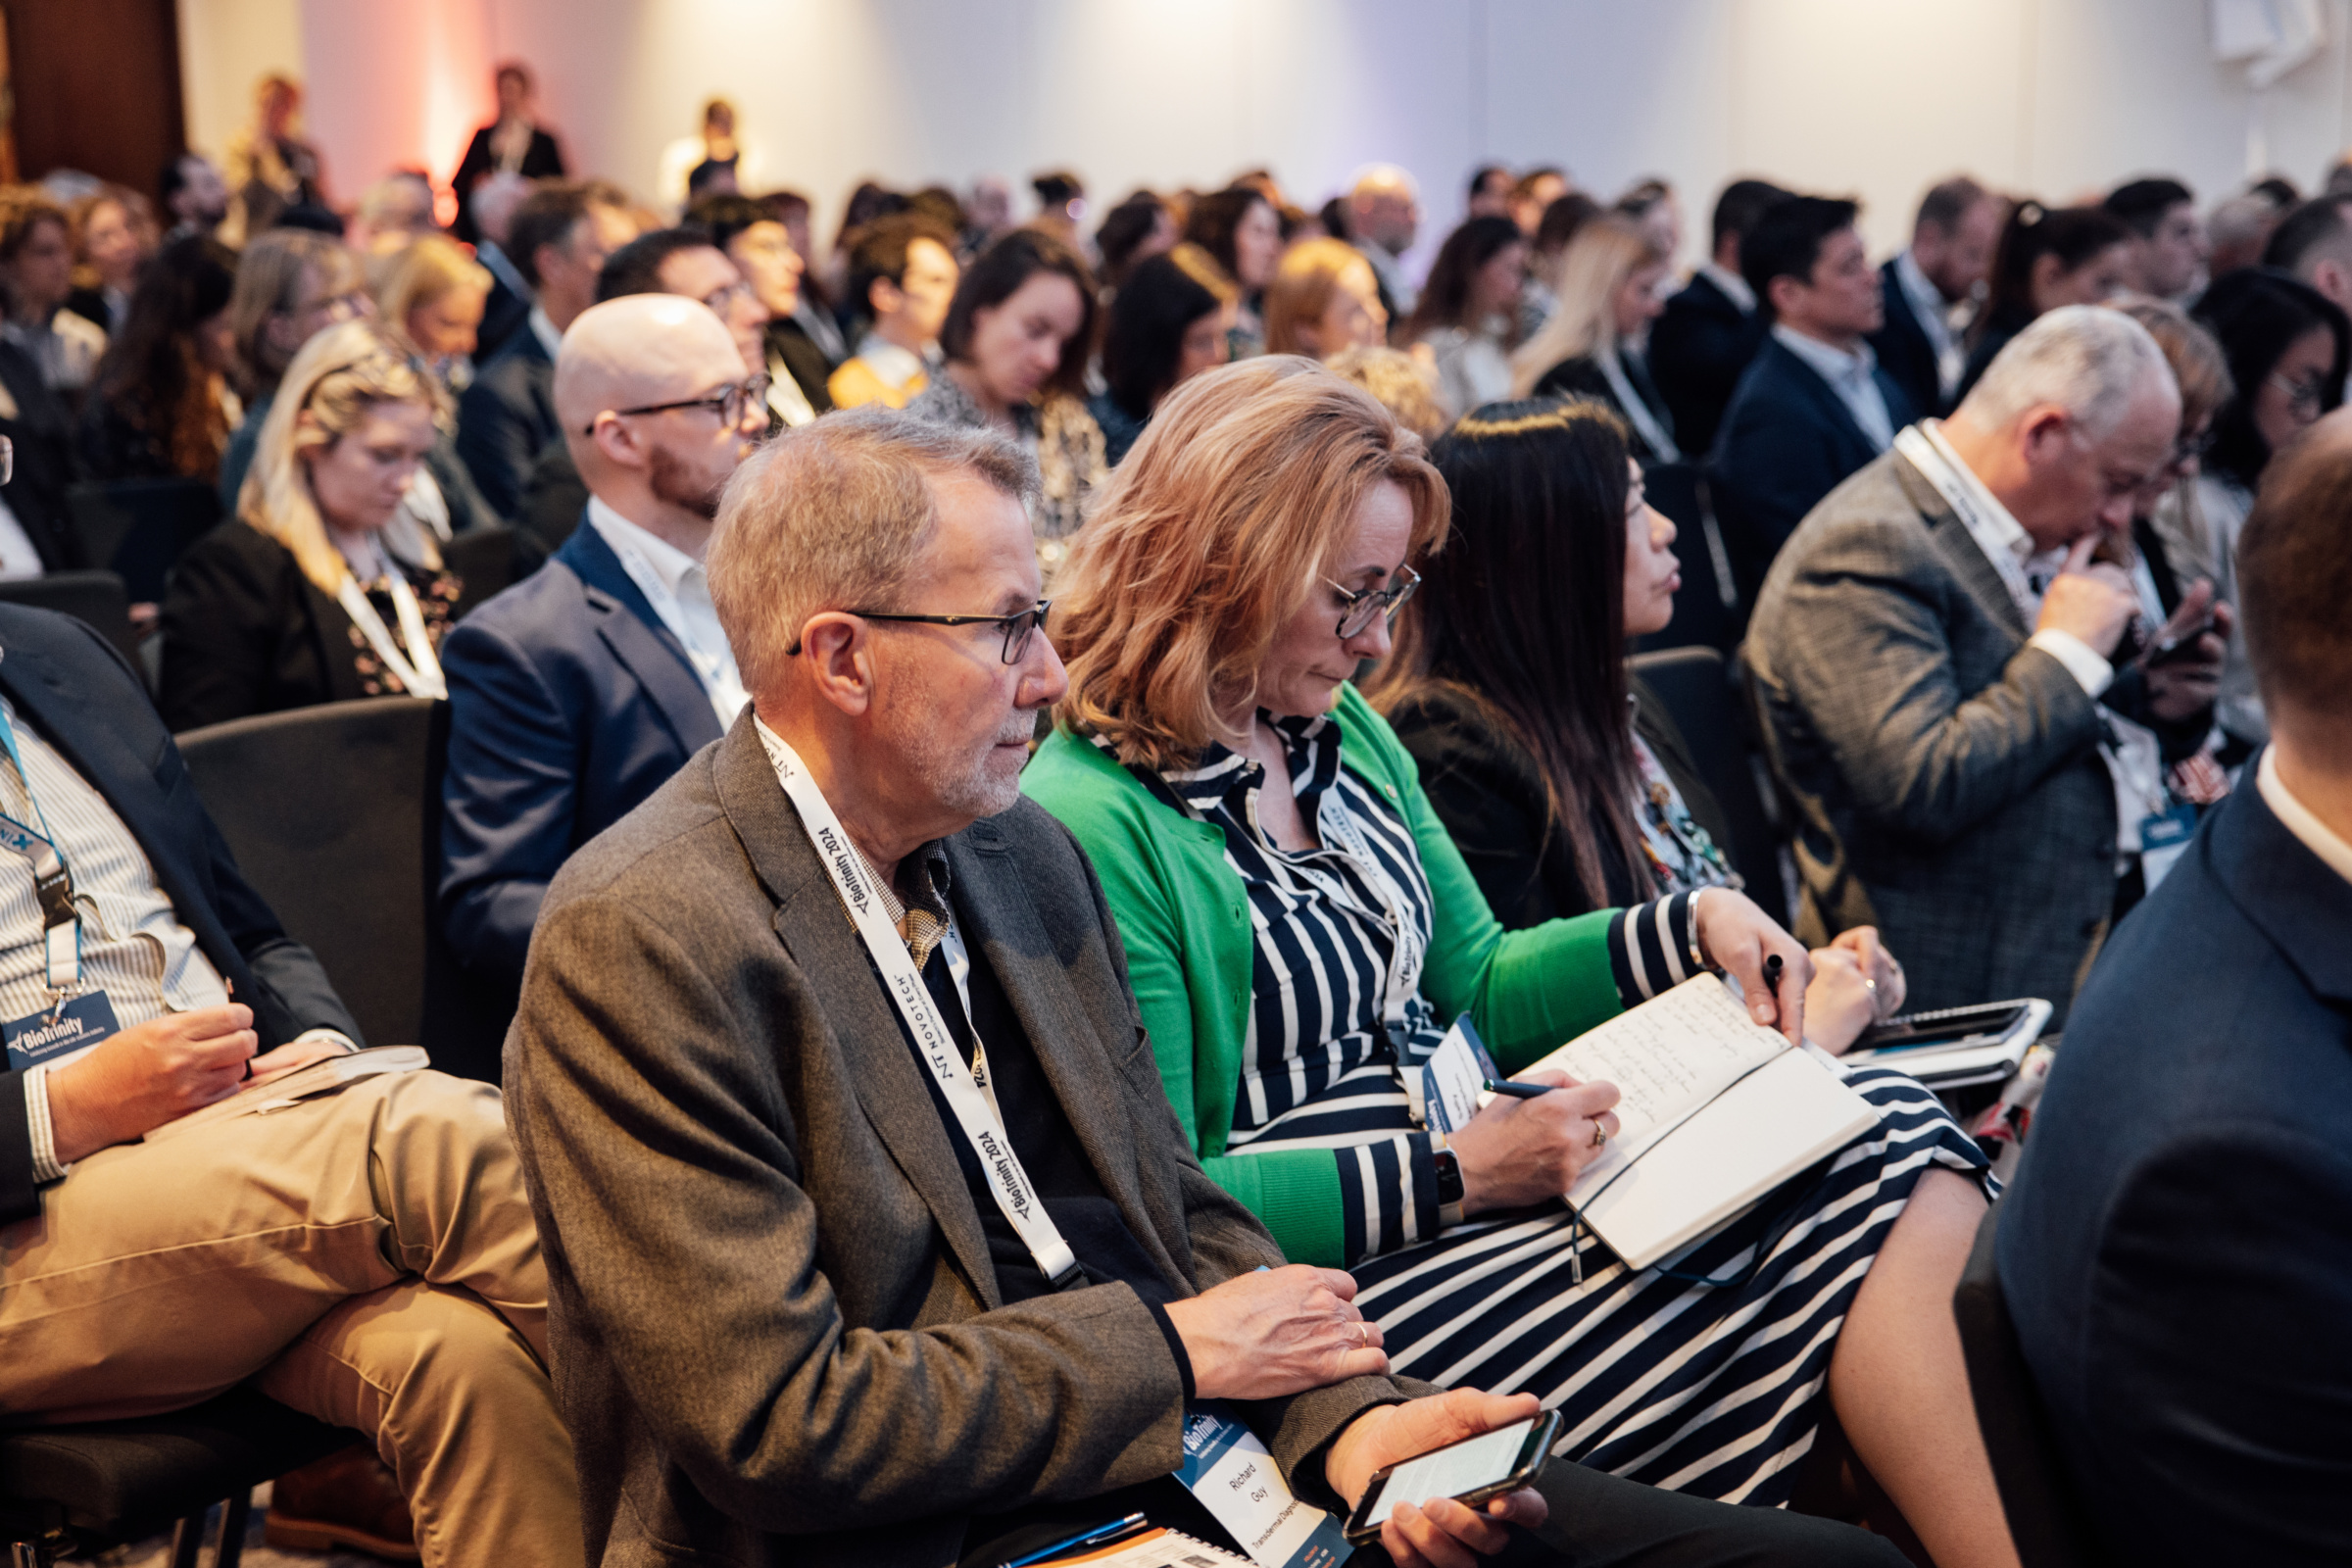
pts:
[1718, 1110]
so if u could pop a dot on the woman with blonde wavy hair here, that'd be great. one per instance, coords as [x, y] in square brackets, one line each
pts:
[323, 588]
[1324, 298]
[1607, 288]
[1301, 931]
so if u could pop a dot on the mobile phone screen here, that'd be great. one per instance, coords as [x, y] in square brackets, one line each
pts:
[1481, 1461]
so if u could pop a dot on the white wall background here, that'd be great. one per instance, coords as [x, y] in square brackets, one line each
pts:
[1876, 98]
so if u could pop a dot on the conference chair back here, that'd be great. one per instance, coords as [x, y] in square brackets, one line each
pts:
[1707, 612]
[137, 528]
[327, 811]
[1700, 690]
[2044, 1519]
[96, 599]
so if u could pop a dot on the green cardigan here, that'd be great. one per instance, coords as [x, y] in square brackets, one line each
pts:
[1185, 919]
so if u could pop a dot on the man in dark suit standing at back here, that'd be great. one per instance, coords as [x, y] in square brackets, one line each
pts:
[1813, 406]
[577, 692]
[1710, 330]
[513, 143]
[1949, 255]
[561, 236]
[2177, 1250]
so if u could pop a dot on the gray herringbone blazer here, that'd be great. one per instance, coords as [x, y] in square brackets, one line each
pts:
[776, 1332]
[1945, 776]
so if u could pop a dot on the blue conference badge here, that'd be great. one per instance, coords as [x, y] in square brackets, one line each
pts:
[45, 1036]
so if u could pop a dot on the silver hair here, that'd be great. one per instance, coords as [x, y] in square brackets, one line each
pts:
[2086, 359]
[834, 515]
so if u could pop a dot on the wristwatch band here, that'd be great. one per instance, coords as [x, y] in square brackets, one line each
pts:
[1448, 1165]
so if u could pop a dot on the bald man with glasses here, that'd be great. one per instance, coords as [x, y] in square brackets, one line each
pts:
[577, 692]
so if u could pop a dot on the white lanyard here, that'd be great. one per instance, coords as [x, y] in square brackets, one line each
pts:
[420, 671]
[52, 883]
[934, 1042]
[1661, 445]
[1405, 956]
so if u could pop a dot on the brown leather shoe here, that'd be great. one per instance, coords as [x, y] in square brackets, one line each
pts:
[349, 1500]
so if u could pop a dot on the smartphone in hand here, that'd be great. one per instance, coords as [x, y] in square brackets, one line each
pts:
[1472, 1472]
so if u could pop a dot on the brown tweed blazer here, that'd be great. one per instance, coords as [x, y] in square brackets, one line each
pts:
[776, 1331]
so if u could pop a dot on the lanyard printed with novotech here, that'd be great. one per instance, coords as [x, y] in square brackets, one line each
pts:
[934, 1042]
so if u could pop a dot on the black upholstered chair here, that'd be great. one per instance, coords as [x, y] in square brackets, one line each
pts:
[85, 1488]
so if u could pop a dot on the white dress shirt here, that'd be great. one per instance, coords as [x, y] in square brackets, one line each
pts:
[1932, 310]
[543, 328]
[1732, 285]
[1849, 376]
[2300, 819]
[674, 584]
[19, 557]
[2010, 550]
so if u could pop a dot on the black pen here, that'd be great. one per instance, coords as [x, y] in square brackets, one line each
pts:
[1771, 973]
[1517, 1091]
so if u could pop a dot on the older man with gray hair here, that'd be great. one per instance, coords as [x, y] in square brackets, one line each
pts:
[872, 1236]
[1931, 652]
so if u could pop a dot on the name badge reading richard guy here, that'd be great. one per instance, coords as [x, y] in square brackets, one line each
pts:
[1233, 1475]
[54, 1035]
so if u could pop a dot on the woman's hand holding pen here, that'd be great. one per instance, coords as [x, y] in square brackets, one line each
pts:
[1519, 1152]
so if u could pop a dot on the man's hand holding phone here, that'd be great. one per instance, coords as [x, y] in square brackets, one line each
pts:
[1439, 1533]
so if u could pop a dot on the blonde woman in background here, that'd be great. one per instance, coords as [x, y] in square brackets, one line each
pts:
[1607, 288]
[323, 589]
[114, 233]
[1400, 382]
[1324, 298]
[432, 300]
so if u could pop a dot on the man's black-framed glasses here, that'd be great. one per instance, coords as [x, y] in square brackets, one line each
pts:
[1366, 605]
[1018, 626]
[730, 403]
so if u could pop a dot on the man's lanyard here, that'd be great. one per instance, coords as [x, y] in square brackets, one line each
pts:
[52, 882]
[420, 671]
[934, 1042]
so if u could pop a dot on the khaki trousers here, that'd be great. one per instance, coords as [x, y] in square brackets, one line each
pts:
[367, 1258]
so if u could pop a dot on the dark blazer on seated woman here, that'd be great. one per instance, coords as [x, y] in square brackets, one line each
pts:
[1489, 791]
[246, 632]
[1585, 376]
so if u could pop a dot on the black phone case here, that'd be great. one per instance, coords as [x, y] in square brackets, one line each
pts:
[1546, 1433]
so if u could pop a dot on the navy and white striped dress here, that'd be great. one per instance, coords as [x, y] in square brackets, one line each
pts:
[1668, 1376]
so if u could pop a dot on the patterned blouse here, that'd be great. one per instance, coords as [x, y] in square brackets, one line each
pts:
[437, 594]
[1341, 932]
[1060, 434]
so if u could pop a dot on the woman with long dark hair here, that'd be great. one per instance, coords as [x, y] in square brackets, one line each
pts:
[2288, 347]
[160, 403]
[1169, 322]
[1560, 778]
[1468, 312]
[2047, 257]
[1016, 345]
[1241, 228]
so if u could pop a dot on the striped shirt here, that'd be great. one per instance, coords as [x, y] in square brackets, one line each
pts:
[134, 946]
[1341, 933]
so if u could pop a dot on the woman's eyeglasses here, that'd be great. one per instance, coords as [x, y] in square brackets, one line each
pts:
[730, 405]
[1367, 605]
[1018, 626]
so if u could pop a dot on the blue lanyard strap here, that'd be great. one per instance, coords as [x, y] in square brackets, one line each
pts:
[52, 880]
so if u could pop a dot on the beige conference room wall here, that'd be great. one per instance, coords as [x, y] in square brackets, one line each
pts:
[1874, 98]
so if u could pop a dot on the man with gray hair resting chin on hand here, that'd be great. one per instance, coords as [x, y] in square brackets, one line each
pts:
[1939, 654]
[874, 1238]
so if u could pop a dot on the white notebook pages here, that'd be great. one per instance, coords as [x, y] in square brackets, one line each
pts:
[1718, 1110]
[319, 1078]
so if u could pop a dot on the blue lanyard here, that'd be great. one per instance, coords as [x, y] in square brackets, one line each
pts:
[52, 882]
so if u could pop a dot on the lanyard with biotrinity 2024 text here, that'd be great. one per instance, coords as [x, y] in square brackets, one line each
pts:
[52, 882]
[934, 1042]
